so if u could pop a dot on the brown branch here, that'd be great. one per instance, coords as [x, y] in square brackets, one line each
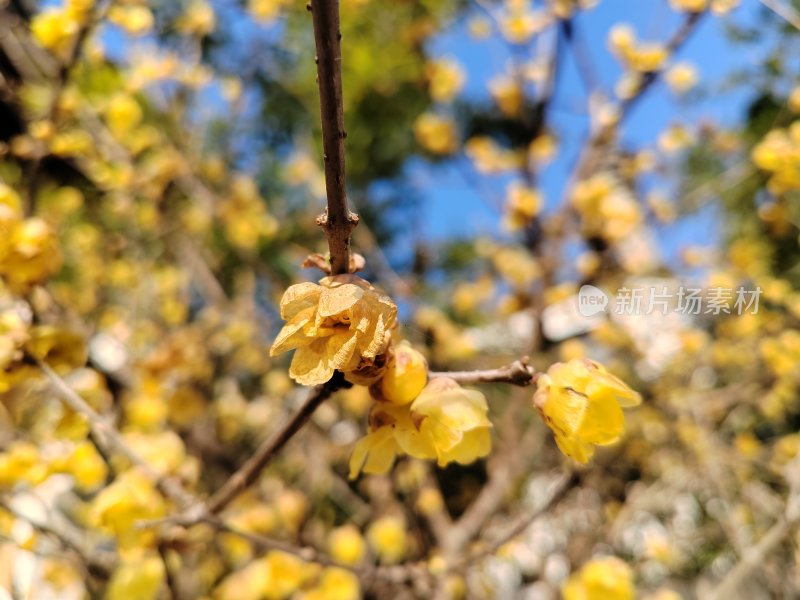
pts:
[517, 373]
[337, 220]
[250, 470]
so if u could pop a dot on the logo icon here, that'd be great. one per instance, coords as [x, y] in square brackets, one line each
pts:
[591, 301]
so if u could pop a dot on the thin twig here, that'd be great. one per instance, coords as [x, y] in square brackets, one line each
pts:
[559, 490]
[673, 45]
[109, 437]
[755, 555]
[785, 11]
[250, 470]
[97, 563]
[517, 373]
[337, 221]
[62, 79]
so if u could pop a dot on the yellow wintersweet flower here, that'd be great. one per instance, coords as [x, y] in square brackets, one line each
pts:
[446, 422]
[64, 350]
[681, 77]
[198, 19]
[689, 5]
[446, 78]
[489, 157]
[675, 138]
[564, 9]
[388, 538]
[582, 403]
[276, 576]
[135, 19]
[335, 584]
[508, 94]
[779, 153]
[621, 38]
[520, 25]
[643, 57]
[543, 148]
[55, 29]
[346, 545]
[31, 253]
[342, 324]
[405, 375]
[600, 579]
[647, 57]
[266, 11]
[523, 203]
[723, 7]
[22, 462]
[85, 464]
[118, 507]
[516, 266]
[436, 134]
[138, 577]
[123, 114]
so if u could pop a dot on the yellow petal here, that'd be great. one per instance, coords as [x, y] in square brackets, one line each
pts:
[374, 453]
[334, 301]
[340, 349]
[564, 409]
[292, 335]
[603, 421]
[574, 448]
[414, 443]
[299, 297]
[311, 365]
[475, 444]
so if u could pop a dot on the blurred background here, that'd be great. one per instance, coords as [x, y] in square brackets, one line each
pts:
[160, 176]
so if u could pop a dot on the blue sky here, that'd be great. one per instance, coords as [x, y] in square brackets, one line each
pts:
[453, 207]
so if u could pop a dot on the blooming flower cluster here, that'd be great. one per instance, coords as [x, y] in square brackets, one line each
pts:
[344, 324]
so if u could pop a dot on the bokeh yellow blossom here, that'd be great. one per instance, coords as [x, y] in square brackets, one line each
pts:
[601, 579]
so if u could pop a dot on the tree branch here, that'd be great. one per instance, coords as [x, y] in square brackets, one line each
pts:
[97, 563]
[109, 437]
[337, 220]
[558, 490]
[673, 45]
[64, 70]
[250, 470]
[785, 11]
[517, 373]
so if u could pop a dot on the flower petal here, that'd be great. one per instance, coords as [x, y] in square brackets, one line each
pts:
[311, 365]
[293, 334]
[299, 297]
[334, 301]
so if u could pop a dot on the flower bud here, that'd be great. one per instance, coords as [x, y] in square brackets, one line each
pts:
[405, 376]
